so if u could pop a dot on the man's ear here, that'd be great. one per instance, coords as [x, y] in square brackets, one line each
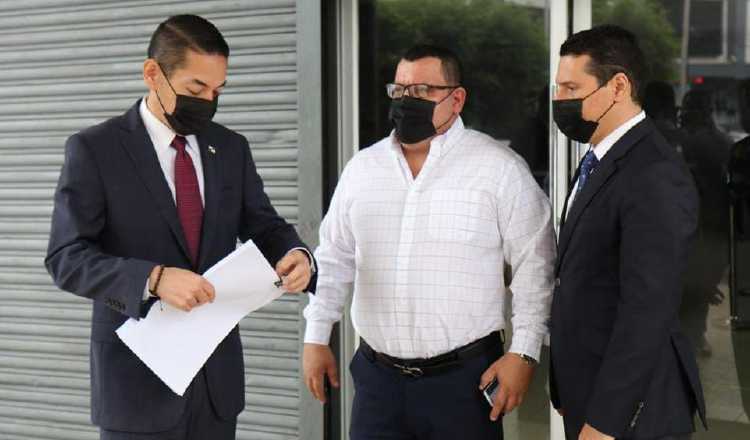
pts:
[459, 99]
[623, 86]
[151, 72]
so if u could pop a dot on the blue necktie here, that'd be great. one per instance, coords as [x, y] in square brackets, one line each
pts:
[587, 167]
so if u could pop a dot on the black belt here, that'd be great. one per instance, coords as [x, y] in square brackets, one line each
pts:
[438, 364]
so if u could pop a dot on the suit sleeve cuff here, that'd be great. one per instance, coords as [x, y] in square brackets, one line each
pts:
[139, 270]
[318, 332]
[309, 256]
[612, 414]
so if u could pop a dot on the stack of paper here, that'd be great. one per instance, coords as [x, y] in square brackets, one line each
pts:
[176, 344]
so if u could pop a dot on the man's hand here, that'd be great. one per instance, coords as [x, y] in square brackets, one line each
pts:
[318, 362]
[590, 433]
[182, 288]
[514, 376]
[295, 271]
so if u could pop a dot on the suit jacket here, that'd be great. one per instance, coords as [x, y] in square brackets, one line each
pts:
[115, 219]
[619, 359]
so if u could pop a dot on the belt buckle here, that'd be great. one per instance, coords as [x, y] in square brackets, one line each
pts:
[409, 371]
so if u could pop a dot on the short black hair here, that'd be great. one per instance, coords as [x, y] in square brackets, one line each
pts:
[174, 36]
[612, 50]
[452, 69]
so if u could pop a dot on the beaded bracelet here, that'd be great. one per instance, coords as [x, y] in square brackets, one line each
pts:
[158, 279]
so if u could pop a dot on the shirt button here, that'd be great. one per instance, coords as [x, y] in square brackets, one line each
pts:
[557, 282]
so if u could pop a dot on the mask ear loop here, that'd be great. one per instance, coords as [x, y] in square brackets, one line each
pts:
[597, 89]
[608, 109]
[158, 98]
[452, 114]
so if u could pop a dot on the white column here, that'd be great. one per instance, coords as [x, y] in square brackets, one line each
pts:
[559, 151]
[347, 47]
[559, 173]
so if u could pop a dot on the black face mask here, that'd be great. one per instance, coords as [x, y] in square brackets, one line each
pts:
[191, 115]
[412, 118]
[568, 115]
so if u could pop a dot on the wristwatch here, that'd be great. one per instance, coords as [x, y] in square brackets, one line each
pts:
[528, 359]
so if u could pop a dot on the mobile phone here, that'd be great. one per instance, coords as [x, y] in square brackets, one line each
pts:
[490, 391]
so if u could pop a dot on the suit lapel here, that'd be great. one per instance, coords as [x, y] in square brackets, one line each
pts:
[596, 181]
[211, 193]
[140, 149]
[601, 175]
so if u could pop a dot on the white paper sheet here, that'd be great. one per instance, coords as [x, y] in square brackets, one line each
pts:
[176, 344]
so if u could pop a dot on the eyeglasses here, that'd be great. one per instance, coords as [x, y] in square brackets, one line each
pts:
[397, 91]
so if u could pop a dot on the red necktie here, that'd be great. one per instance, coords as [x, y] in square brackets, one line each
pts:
[188, 195]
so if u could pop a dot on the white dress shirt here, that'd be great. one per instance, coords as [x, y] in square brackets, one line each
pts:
[161, 137]
[432, 258]
[603, 147]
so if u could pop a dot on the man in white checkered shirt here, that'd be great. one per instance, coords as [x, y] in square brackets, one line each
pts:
[433, 226]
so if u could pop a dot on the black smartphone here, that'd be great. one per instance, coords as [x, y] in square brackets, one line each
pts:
[490, 391]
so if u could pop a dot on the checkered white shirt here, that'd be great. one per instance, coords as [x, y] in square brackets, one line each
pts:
[433, 258]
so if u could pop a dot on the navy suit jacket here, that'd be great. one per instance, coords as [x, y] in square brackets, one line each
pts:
[115, 219]
[619, 359]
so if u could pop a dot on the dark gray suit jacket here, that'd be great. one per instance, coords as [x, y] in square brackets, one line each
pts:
[115, 219]
[619, 359]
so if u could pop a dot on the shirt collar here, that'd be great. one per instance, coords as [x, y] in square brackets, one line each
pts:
[162, 135]
[608, 142]
[440, 144]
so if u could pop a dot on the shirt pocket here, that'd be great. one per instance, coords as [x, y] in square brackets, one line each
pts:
[455, 215]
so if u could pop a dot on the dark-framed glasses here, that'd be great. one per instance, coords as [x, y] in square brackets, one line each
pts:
[397, 91]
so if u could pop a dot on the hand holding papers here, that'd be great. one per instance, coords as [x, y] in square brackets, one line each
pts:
[176, 344]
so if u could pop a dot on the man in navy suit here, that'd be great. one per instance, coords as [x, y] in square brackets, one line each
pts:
[620, 366]
[146, 202]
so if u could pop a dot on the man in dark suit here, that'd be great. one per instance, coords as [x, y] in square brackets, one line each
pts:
[621, 366]
[145, 203]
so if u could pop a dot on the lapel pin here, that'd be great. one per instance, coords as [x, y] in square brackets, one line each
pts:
[211, 150]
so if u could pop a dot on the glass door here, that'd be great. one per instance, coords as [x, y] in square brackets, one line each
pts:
[698, 93]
